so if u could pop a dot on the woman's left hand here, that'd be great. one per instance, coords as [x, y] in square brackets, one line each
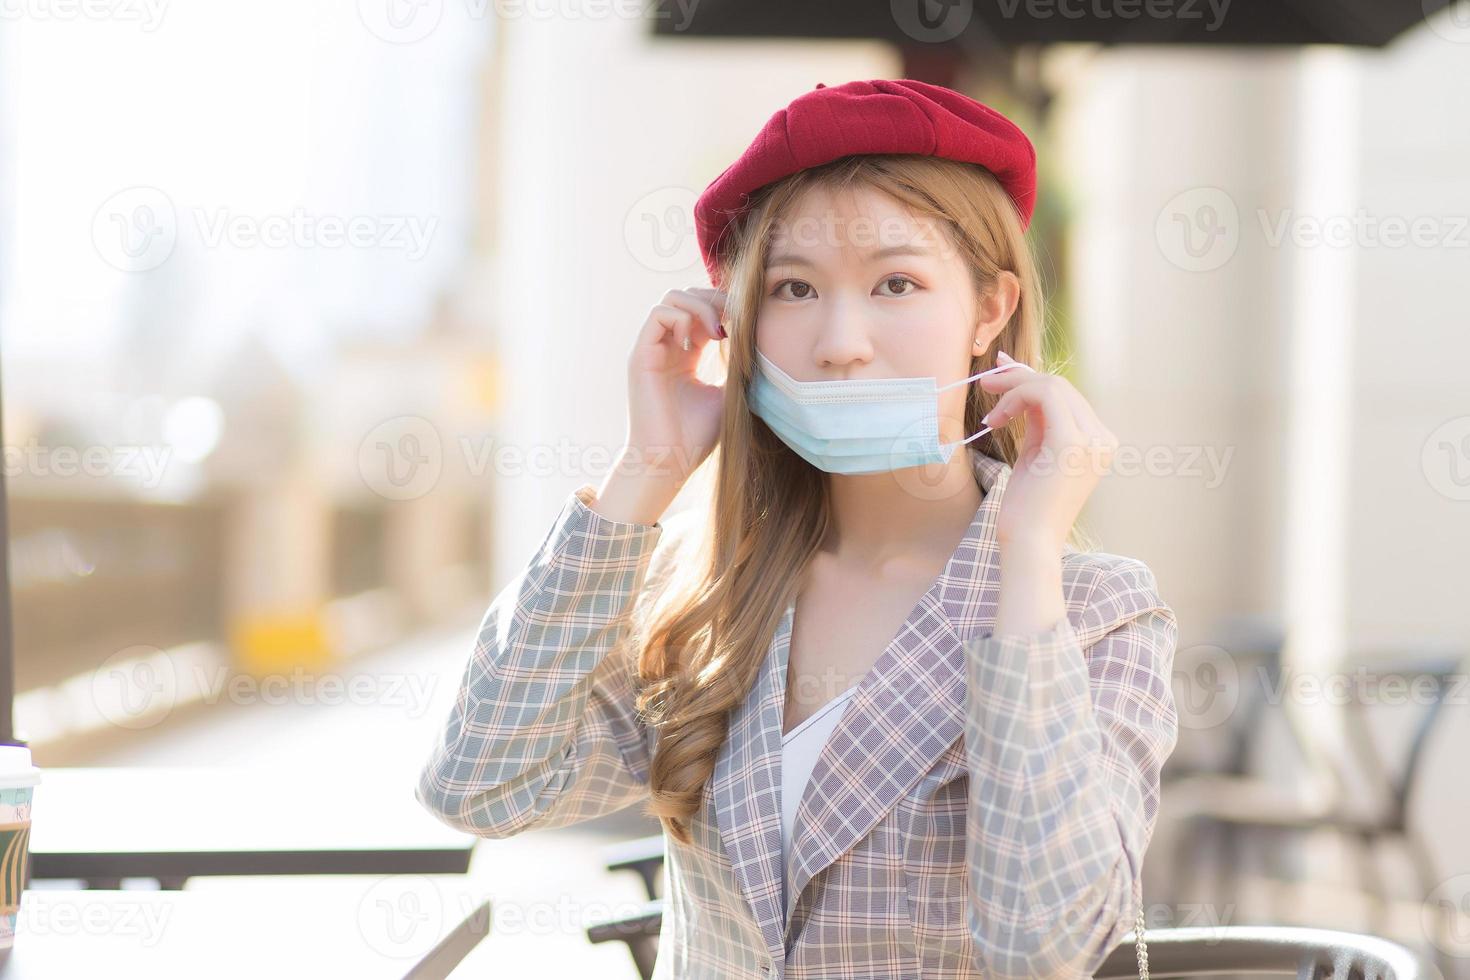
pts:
[1065, 453]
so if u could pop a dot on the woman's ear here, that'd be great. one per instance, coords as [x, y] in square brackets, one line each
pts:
[997, 306]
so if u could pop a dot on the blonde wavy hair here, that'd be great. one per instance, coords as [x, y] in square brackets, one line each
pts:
[704, 644]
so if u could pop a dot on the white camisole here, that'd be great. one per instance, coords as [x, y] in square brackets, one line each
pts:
[799, 749]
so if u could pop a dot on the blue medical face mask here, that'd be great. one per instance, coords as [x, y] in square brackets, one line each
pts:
[856, 425]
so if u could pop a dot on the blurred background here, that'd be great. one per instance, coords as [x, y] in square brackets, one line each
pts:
[312, 314]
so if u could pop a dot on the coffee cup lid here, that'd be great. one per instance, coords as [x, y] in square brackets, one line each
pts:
[16, 768]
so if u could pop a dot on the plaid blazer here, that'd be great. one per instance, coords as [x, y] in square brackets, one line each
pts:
[981, 809]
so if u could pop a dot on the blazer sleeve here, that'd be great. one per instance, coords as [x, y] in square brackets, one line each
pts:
[543, 732]
[1065, 736]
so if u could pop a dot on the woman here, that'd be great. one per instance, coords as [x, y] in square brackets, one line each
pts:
[894, 724]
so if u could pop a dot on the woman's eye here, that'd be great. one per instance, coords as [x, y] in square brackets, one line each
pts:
[799, 289]
[903, 280]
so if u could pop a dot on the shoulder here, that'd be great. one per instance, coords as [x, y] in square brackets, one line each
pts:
[1093, 570]
[1104, 590]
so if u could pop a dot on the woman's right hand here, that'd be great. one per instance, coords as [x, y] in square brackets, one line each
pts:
[673, 417]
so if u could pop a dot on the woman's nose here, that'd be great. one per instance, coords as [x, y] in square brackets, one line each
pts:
[844, 339]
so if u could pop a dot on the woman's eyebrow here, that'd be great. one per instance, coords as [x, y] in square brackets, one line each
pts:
[787, 258]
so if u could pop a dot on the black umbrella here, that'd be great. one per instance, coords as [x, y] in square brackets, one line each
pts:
[1003, 37]
[967, 23]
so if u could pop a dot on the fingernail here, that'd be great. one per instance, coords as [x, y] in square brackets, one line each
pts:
[1000, 354]
[985, 419]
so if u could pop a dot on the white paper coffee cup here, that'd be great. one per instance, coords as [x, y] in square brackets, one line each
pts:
[18, 779]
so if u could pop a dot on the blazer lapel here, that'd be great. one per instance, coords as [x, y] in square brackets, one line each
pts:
[747, 787]
[905, 713]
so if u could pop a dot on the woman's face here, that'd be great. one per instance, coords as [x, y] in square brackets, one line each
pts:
[857, 287]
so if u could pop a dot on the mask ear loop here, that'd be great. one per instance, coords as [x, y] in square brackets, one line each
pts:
[981, 375]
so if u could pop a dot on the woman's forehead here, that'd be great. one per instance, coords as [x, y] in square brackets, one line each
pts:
[851, 205]
[861, 220]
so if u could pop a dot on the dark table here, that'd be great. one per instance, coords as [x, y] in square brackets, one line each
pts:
[172, 823]
[278, 932]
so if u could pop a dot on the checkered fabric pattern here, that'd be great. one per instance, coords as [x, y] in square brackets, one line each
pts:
[981, 810]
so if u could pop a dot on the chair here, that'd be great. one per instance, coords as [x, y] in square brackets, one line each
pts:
[1250, 641]
[1310, 954]
[639, 929]
[643, 856]
[1357, 770]
[1199, 795]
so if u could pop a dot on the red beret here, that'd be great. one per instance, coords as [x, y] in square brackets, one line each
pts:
[878, 116]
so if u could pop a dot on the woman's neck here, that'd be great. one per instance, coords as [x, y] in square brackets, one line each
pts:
[880, 517]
